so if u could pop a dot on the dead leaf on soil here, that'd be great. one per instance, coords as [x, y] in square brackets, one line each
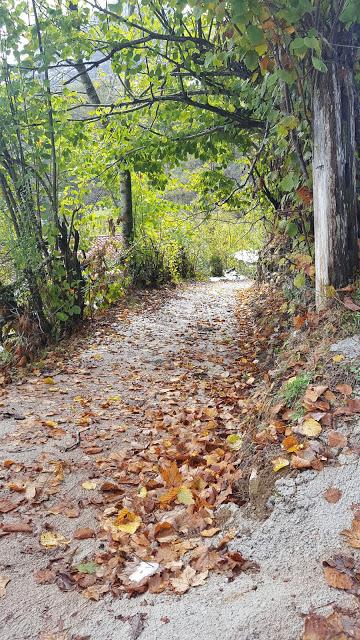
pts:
[52, 539]
[344, 389]
[336, 439]
[350, 304]
[353, 534]
[332, 495]
[279, 463]
[7, 505]
[337, 579]
[16, 527]
[127, 521]
[310, 428]
[84, 534]
[313, 392]
[171, 475]
[89, 485]
[4, 580]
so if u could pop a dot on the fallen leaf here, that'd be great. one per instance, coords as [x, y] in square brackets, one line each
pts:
[182, 583]
[291, 444]
[48, 380]
[332, 495]
[52, 539]
[96, 591]
[127, 521]
[16, 527]
[44, 576]
[280, 463]
[87, 567]
[337, 579]
[169, 496]
[313, 392]
[50, 423]
[350, 304]
[297, 462]
[84, 534]
[165, 532]
[4, 580]
[171, 475]
[185, 496]
[353, 534]
[89, 485]
[209, 533]
[338, 625]
[336, 439]
[91, 451]
[7, 505]
[345, 389]
[310, 428]
[234, 441]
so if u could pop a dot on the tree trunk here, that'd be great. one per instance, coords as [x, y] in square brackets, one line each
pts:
[126, 213]
[126, 207]
[334, 179]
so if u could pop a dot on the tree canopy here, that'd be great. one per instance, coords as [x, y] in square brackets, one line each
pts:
[114, 98]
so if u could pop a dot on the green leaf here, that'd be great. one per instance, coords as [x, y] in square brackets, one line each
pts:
[255, 35]
[87, 567]
[62, 316]
[75, 310]
[292, 229]
[251, 60]
[300, 281]
[319, 64]
[234, 441]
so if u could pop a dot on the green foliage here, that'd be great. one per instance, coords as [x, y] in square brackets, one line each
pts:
[294, 389]
[213, 103]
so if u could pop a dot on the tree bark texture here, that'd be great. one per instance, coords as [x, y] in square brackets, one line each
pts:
[334, 179]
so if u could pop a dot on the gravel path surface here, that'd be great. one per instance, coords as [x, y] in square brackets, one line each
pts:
[132, 358]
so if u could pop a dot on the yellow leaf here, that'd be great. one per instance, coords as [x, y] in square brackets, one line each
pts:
[310, 428]
[209, 533]
[261, 49]
[280, 463]
[90, 485]
[48, 380]
[185, 496]
[51, 539]
[127, 521]
[234, 441]
[51, 423]
[143, 492]
[338, 358]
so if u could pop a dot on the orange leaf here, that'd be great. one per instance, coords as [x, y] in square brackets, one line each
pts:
[171, 475]
[337, 579]
[169, 496]
[332, 495]
[353, 534]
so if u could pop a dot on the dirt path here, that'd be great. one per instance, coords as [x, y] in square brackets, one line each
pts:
[106, 392]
